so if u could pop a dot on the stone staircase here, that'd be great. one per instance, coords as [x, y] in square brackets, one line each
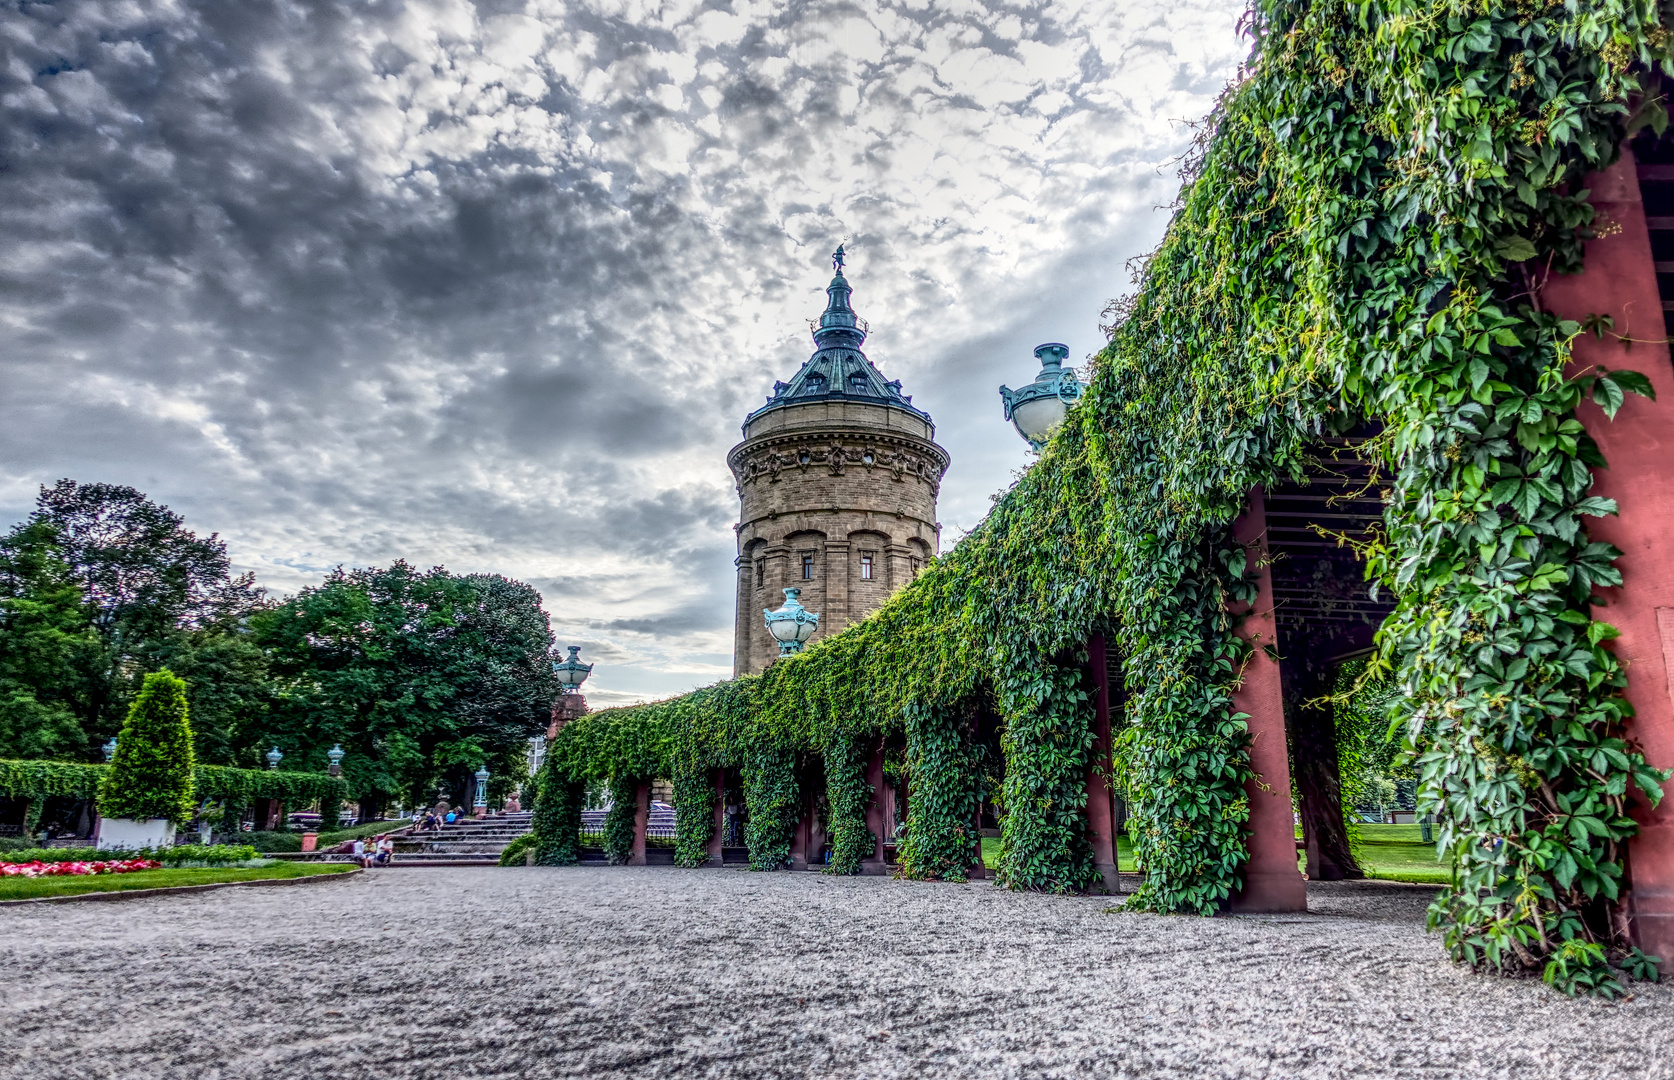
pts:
[468, 842]
[471, 842]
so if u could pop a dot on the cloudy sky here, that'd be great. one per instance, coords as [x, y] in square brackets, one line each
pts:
[492, 285]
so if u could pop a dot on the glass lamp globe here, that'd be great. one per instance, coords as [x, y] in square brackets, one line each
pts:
[792, 624]
[572, 672]
[1036, 409]
[1036, 418]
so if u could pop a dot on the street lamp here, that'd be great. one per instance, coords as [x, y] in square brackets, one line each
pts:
[335, 754]
[109, 749]
[1040, 406]
[572, 672]
[274, 757]
[793, 624]
[481, 802]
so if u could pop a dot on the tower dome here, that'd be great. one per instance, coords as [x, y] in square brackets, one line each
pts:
[837, 481]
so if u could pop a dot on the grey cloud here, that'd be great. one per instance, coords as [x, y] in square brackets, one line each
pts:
[347, 285]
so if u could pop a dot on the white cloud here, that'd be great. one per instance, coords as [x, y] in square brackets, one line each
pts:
[495, 287]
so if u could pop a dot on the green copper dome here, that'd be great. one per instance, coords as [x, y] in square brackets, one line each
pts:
[838, 370]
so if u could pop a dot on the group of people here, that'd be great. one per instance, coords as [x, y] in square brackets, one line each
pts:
[433, 820]
[380, 852]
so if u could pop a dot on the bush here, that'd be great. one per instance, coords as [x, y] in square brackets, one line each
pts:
[151, 774]
[515, 853]
[14, 843]
[273, 841]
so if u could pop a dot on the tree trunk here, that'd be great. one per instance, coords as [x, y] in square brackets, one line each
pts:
[1313, 745]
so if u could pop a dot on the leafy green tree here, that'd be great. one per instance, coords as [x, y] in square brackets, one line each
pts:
[103, 560]
[421, 677]
[47, 647]
[151, 774]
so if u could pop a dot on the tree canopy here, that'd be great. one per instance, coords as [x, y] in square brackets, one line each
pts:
[421, 676]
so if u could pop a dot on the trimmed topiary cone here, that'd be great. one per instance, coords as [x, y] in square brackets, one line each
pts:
[151, 773]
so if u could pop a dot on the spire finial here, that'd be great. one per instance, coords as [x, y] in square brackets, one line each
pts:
[837, 259]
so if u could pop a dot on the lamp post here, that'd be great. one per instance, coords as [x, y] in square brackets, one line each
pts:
[1040, 406]
[792, 625]
[109, 749]
[335, 756]
[480, 803]
[572, 672]
[274, 757]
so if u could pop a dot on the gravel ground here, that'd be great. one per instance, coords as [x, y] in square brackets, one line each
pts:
[651, 972]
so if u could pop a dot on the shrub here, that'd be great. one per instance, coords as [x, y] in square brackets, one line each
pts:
[273, 841]
[515, 852]
[151, 774]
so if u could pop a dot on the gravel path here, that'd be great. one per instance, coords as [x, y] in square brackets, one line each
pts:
[650, 972]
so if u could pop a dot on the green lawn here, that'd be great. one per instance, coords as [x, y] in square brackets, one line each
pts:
[1392, 853]
[1399, 853]
[1124, 853]
[22, 888]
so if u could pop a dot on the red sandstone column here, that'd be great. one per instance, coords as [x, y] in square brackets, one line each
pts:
[1271, 880]
[874, 864]
[715, 838]
[642, 821]
[1101, 815]
[1620, 281]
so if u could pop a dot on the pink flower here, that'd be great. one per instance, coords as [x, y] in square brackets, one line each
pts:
[66, 869]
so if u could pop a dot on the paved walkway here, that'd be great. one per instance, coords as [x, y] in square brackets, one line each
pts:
[646, 972]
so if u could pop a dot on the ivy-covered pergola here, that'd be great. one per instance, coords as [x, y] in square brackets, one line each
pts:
[1411, 229]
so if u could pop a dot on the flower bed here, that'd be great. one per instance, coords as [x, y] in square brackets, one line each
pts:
[64, 869]
[190, 854]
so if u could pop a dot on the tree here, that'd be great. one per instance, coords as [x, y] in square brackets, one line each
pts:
[421, 677]
[152, 594]
[151, 774]
[47, 648]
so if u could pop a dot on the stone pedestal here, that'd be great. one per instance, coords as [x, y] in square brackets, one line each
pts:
[128, 834]
[1271, 880]
[310, 840]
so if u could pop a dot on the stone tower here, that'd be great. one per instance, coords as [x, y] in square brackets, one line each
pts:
[837, 480]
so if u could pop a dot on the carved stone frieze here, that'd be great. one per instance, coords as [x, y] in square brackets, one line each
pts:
[770, 463]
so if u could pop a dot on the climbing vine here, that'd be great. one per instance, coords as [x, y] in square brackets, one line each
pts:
[1360, 244]
[847, 794]
[694, 824]
[617, 837]
[41, 779]
[556, 821]
[770, 792]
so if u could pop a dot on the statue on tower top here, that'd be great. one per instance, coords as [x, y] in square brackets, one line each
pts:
[837, 259]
